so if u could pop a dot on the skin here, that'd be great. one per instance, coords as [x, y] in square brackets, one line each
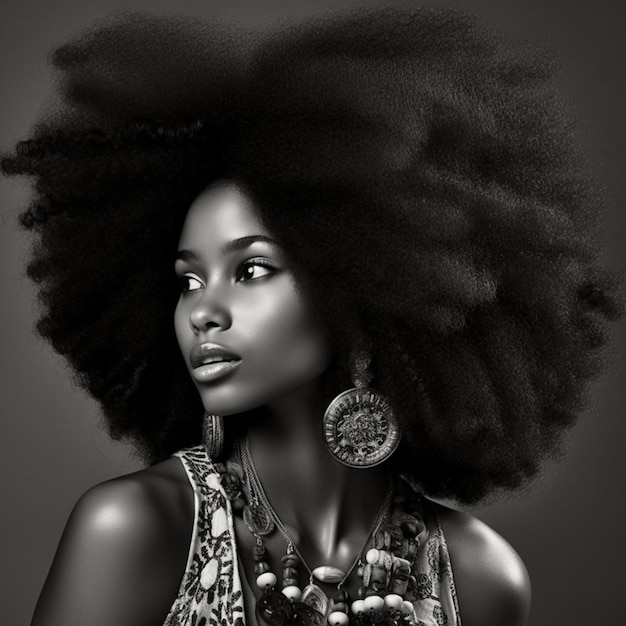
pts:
[244, 299]
[123, 552]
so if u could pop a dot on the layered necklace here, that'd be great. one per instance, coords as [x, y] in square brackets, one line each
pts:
[387, 584]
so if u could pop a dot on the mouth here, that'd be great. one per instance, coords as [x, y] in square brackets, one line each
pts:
[210, 362]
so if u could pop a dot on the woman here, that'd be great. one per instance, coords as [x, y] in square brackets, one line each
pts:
[388, 200]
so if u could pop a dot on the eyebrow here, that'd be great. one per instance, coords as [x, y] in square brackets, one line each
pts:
[240, 243]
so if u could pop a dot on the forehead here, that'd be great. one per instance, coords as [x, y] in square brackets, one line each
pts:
[221, 213]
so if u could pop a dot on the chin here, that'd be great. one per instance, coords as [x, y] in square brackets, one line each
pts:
[231, 399]
[220, 402]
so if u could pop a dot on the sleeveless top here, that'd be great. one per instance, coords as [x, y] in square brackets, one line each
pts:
[211, 594]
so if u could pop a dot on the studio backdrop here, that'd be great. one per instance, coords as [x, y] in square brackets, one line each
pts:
[568, 527]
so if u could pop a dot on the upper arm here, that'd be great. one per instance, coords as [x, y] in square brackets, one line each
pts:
[117, 563]
[492, 583]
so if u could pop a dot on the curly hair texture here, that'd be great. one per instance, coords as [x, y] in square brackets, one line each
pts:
[419, 169]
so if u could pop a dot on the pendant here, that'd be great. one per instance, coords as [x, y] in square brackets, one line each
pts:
[314, 597]
[274, 608]
[360, 428]
[303, 614]
[257, 519]
[328, 574]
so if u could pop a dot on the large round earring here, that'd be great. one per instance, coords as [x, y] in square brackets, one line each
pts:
[360, 427]
[213, 435]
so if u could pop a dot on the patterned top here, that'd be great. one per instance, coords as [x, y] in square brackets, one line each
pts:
[210, 592]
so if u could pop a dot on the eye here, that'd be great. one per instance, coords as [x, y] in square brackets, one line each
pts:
[189, 282]
[255, 269]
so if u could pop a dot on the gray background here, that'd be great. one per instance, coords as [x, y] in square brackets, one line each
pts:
[569, 527]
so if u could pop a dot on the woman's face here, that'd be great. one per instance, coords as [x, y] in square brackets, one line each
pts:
[246, 333]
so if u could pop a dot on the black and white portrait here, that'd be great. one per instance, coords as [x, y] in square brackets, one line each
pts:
[312, 313]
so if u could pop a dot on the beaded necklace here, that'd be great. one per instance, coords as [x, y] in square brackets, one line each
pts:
[323, 573]
[387, 584]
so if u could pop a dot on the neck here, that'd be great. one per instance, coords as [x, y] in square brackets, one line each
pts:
[327, 507]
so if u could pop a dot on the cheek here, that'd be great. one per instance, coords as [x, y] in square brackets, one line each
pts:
[181, 325]
[289, 343]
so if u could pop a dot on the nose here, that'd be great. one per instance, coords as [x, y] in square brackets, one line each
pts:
[211, 311]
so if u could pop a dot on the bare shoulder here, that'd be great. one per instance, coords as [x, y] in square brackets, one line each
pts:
[492, 582]
[123, 551]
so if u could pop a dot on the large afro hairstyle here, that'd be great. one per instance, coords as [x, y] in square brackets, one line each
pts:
[420, 171]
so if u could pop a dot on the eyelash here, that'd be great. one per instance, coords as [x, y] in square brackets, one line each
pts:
[239, 277]
[184, 283]
[252, 263]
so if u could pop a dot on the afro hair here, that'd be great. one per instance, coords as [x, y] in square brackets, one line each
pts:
[421, 172]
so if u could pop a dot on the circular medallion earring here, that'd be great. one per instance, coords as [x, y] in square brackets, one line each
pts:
[213, 435]
[360, 427]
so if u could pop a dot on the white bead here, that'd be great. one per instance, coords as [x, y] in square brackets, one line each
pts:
[406, 608]
[358, 606]
[267, 579]
[374, 603]
[338, 618]
[292, 592]
[328, 574]
[372, 556]
[393, 601]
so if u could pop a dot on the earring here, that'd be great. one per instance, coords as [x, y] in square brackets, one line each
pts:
[360, 427]
[213, 435]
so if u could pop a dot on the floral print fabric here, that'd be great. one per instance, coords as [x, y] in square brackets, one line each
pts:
[210, 592]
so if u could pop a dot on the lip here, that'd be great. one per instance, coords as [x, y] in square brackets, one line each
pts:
[213, 371]
[211, 361]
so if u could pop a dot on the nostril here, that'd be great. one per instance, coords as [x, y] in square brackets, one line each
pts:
[206, 315]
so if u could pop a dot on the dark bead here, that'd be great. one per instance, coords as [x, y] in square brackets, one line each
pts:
[258, 553]
[402, 570]
[409, 529]
[290, 560]
[396, 538]
[261, 567]
[290, 572]
[304, 615]
[275, 608]
[399, 586]
[288, 582]
[411, 550]
[378, 576]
